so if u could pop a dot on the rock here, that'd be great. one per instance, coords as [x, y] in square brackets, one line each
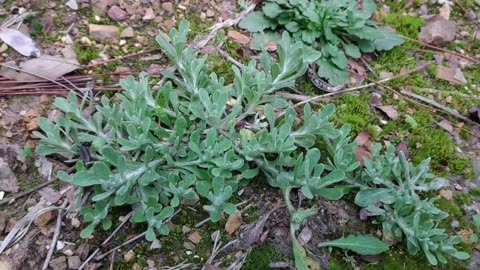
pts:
[186, 229]
[168, 8]
[99, 6]
[74, 262]
[136, 266]
[149, 15]
[454, 224]
[195, 237]
[75, 223]
[5, 264]
[69, 53]
[59, 263]
[129, 256]
[438, 31]
[444, 11]
[8, 180]
[43, 219]
[210, 13]
[238, 37]
[127, 32]
[447, 194]
[103, 32]
[72, 4]
[31, 120]
[117, 14]
[68, 19]
[453, 75]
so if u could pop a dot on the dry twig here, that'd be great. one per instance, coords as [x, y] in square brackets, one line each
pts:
[56, 234]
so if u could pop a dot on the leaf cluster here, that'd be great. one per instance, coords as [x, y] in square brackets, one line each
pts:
[390, 188]
[339, 29]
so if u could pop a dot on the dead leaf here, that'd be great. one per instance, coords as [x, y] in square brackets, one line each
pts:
[465, 234]
[390, 111]
[357, 68]
[83, 250]
[365, 214]
[19, 42]
[50, 67]
[233, 222]
[402, 147]
[360, 153]
[238, 37]
[408, 4]
[447, 194]
[446, 125]
[253, 231]
[453, 75]
[376, 101]
[50, 195]
[362, 137]
[305, 236]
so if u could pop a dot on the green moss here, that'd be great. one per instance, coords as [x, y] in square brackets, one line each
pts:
[475, 192]
[404, 24]
[426, 142]
[86, 54]
[454, 211]
[261, 257]
[463, 199]
[355, 110]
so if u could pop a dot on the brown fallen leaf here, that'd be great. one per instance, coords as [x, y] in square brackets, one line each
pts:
[46, 66]
[19, 42]
[253, 231]
[360, 153]
[305, 236]
[50, 195]
[238, 37]
[402, 147]
[465, 234]
[446, 125]
[453, 75]
[233, 222]
[362, 137]
[390, 111]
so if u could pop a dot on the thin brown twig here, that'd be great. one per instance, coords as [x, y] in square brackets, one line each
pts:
[441, 49]
[56, 234]
[356, 88]
[229, 58]
[119, 58]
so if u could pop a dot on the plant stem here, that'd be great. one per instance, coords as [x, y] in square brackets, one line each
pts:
[286, 197]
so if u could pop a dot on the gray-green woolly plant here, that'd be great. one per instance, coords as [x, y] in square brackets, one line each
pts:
[201, 138]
